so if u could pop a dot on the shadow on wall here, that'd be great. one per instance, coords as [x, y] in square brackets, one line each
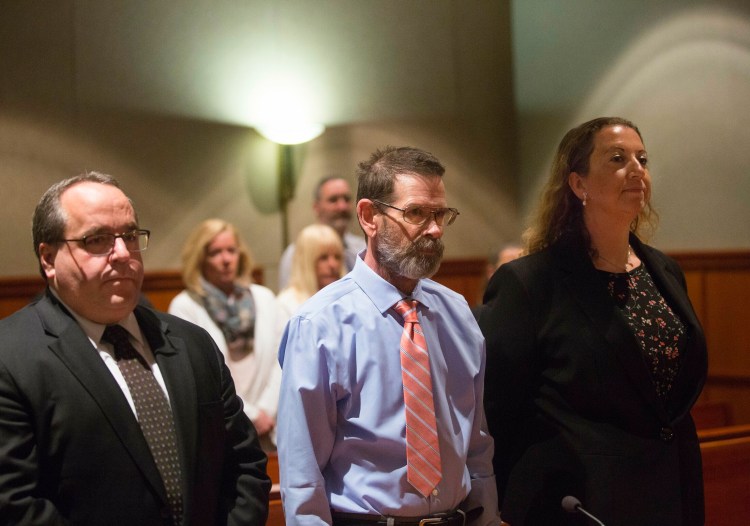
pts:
[686, 84]
[35, 154]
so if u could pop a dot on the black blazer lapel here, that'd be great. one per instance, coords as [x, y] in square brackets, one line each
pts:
[177, 371]
[75, 351]
[586, 287]
[669, 284]
[693, 365]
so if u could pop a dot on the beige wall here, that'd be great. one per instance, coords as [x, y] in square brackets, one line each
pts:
[489, 87]
[179, 172]
[679, 69]
[130, 90]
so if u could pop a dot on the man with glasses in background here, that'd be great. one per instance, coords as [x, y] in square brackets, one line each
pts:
[112, 413]
[381, 418]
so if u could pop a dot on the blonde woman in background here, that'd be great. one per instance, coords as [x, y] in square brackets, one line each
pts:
[317, 262]
[239, 315]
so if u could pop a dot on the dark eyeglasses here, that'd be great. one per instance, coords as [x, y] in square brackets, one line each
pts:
[421, 215]
[102, 244]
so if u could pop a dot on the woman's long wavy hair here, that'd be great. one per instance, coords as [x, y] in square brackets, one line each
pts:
[560, 212]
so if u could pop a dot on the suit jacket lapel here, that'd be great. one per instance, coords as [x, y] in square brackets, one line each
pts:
[75, 351]
[176, 369]
[586, 287]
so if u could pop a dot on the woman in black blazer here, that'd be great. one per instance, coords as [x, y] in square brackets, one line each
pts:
[594, 353]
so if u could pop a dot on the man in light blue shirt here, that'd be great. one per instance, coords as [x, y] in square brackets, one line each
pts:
[341, 421]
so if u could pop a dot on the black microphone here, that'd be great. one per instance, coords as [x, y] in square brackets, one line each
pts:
[573, 505]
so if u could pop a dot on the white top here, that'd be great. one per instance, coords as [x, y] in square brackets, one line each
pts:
[288, 302]
[257, 376]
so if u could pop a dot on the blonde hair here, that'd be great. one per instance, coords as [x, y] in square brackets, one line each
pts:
[559, 211]
[196, 248]
[312, 242]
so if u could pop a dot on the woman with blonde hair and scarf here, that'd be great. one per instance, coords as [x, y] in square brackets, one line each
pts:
[239, 315]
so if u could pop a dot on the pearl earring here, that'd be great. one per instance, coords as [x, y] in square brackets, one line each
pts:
[585, 196]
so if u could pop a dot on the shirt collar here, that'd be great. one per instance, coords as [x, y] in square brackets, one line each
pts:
[94, 330]
[382, 293]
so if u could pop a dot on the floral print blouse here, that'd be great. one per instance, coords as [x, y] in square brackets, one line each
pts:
[659, 331]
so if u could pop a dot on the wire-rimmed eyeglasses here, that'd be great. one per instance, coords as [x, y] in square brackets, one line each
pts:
[102, 244]
[421, 215]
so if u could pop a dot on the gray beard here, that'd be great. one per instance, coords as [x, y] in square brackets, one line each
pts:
[408, 261]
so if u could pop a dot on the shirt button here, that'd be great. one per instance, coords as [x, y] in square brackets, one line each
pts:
[434, 492]
[666, 434]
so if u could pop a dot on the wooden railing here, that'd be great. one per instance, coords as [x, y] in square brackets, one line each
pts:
[159, 287]
[466, 276]
[718, 284]
[726, 475]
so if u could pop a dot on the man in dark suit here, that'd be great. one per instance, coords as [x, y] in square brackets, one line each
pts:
[78, 443]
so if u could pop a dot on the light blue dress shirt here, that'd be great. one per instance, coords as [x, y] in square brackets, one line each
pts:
[341, 424]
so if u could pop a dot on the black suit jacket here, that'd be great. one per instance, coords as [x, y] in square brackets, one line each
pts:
[570, 402]
[71, 450]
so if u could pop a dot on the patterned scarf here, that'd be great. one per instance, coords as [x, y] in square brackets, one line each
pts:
[235, 316]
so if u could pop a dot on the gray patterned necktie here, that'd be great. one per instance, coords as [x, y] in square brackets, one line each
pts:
[154, 414]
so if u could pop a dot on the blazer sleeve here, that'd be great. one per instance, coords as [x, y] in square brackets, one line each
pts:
[19, 465]
[511, 375]
[246, 485]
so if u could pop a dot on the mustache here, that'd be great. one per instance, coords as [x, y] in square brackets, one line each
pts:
[426, 244]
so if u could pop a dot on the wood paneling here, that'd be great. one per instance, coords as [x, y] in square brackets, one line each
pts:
[711, 415]
[275, 511]
[726, 475]
[17, 292]
[719, 288]
[159, 287]
[718, 284]
[273, 467]
[465, 276]
[696, 287]
[726, 309]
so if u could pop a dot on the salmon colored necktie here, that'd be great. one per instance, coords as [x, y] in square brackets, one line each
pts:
[423, 468]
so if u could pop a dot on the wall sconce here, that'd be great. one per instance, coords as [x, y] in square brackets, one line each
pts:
[287, 136]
